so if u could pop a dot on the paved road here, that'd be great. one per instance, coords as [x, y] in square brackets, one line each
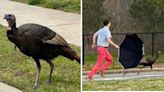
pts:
[66, 24]
[118, 76]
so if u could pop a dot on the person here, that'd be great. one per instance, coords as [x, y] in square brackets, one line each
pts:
[103, 37]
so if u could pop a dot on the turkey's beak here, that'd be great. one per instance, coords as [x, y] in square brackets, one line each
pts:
[4, 17]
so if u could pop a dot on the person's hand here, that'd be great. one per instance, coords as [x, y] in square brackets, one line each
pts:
[117, 46]
[93, 45]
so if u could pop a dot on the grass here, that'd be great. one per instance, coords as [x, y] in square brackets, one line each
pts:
[149, 84]
[19, 70]
[90, 60]
[64, 5]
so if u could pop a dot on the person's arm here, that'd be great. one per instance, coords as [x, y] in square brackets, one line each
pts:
[111, 42]
[94, 40]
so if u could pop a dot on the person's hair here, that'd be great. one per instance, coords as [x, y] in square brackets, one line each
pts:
[106, 21]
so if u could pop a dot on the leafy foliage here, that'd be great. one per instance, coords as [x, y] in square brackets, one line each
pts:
[93, 15]
[65, 5]
[149, 14]
[34, 2]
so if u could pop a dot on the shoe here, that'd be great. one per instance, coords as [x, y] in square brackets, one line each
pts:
[89, 79]
[102, 75]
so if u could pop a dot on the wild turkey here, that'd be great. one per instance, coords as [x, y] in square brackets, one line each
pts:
[39, 42]
[149, 61]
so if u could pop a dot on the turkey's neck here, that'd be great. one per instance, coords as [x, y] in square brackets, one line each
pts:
[12, 28]
[11, 32]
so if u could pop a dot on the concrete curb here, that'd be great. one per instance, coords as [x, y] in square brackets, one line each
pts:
[129, 70]
[7, 88]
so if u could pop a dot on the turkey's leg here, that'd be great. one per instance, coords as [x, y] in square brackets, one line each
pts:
[51, 70]
[38, 72]
[151, 66]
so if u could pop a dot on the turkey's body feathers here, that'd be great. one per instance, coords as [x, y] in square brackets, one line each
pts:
[41, 42]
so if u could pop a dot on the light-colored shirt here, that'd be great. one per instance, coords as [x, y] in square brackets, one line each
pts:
[103, 35]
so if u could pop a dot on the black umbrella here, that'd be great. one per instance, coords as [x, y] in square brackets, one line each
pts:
[130, 52]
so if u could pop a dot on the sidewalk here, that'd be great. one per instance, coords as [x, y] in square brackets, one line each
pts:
[129, 70]
[64, 23]
[133, 73]
[7, 88]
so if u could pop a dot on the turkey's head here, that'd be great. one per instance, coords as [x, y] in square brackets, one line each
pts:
[11, 21]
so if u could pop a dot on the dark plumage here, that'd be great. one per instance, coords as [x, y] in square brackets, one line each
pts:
[149, 61]
[39, 42]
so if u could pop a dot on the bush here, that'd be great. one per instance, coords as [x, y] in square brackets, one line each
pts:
[54, 4]
[72, 5]
[34, 2]
[65, 5]
[93, 14]
[149, 14]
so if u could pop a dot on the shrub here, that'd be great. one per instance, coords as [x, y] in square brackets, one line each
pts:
[54, 4]
[34, 2]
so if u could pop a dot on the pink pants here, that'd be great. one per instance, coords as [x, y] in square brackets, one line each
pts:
[100, 65]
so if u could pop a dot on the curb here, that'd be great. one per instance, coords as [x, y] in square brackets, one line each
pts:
[129, 70]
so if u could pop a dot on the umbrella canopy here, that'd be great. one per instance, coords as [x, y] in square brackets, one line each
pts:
[130, 52]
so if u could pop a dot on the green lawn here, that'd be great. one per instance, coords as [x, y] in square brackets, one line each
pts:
[64, 5]
[19, 70]
[90, 60]
[150, 84]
